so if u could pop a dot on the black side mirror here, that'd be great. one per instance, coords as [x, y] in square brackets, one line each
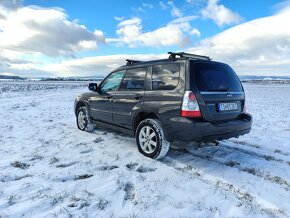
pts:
[93, 87]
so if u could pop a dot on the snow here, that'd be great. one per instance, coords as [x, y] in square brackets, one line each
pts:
[48, 168]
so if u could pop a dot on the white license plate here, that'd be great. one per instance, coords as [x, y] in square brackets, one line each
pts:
[228, 106]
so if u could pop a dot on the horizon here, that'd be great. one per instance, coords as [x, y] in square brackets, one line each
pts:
[101, 77]
[93, 38]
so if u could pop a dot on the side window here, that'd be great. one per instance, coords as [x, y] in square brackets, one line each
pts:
[165, 76]
[134, 79]
[112, 82]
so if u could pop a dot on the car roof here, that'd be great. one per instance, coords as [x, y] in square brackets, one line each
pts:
[173, 57]
[161, 61]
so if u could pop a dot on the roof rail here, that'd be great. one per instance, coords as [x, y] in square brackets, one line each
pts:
[172, 55]
[129, 62]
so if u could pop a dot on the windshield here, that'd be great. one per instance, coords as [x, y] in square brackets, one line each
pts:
[216, 77]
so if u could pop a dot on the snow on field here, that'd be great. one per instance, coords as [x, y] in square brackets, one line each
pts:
[48, 168]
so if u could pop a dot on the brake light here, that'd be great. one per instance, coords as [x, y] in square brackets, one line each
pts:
[190, 106]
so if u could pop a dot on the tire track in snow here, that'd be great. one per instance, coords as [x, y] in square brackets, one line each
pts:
[265, 154]
[247, 199]
[266, 157]
[244, 143]
[234, 164]
[250, 170]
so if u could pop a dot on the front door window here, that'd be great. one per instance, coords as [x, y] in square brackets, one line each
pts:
[112, 82]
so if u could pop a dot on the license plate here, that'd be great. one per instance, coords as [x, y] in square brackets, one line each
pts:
[228, 106]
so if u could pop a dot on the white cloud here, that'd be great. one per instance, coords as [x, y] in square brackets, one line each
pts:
[163, 6]
[263, 48]
[195, 32]
[175, 33]
[28, 35]
[175, 11]
[143, 8]
[220, 14]
[45, 31]
[119, 18]
[146, 5]
[128, 22]
[259, 46]
[11, 4]
[91, 66]
[184, 19]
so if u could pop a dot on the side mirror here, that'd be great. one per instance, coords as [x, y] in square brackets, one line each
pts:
[93, 87]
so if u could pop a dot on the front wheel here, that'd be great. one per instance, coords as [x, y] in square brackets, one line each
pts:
[83, 121]
[150, 139]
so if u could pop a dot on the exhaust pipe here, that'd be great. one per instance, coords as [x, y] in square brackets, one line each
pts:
[215, 143]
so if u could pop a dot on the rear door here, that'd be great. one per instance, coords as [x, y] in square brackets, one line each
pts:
[130, 96]
[219, 91]
[164, 96]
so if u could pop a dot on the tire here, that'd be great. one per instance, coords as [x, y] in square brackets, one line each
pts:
[83, 121]
[150, 139]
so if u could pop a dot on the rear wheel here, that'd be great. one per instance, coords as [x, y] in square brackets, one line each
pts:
[83, 121]
[150, 139]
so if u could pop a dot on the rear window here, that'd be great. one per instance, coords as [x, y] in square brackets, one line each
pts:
[134, 79]
[165, 76]
[216, 77]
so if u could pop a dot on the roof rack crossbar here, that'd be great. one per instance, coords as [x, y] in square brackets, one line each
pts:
[172, 55]
[129, 62]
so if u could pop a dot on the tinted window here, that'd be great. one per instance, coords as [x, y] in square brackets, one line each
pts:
[112, 82]
[165, 77]
[134, 79]
[216, 77]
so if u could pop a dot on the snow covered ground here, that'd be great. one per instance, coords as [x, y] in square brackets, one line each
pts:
[48, 168]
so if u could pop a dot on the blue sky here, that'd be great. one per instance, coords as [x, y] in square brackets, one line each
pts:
[71, 38]
[100, 15]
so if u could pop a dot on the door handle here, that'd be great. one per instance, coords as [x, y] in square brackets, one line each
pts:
[138, 96]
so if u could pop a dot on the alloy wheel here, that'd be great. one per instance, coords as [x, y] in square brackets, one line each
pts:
[147, 139]
[81, 120]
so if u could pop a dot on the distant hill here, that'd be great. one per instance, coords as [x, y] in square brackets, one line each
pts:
[265, 79]
[5, 77]
[73, 78]
[244, 78]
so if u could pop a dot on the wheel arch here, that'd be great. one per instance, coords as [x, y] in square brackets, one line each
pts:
[81, 103]
[142, 115]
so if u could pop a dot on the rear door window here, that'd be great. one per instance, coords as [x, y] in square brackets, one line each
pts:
[134, 79]
[216, 77]
[165, 76]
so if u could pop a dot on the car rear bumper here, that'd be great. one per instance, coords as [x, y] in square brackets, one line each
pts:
[183, 129]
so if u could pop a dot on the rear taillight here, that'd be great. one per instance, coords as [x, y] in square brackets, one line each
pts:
[190, 106]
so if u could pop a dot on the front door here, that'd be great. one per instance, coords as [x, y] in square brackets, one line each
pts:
[129, 98]
[101, 103]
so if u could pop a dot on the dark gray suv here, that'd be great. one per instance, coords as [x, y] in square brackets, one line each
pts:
[183, 98]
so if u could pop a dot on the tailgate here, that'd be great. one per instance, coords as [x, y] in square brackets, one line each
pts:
[217, 106]
[219, 91]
